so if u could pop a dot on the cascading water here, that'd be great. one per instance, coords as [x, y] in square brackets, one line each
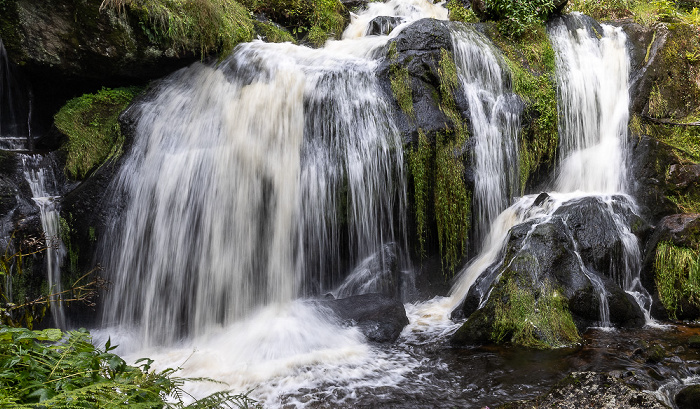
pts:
[495, 121]
[38, 171]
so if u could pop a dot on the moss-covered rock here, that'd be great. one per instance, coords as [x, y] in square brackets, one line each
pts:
[93, 133]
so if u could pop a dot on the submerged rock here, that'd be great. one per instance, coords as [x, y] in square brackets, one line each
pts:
[688, 397]
[379, 317]
[591, 390]
[383, 25]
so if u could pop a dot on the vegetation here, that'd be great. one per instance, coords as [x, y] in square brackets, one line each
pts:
[677, 276]
[52, 369]
[318, 20]
[90, 123]
[535, 319]
[437, 168]
[191, 25]
[460, 13]
[515, 17]
[642, 11]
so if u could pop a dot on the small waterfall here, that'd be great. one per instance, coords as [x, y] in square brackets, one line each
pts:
[406, 10]
[38, 171]
[495, 122]
[592, 78]
[252, 183]
[14, 108]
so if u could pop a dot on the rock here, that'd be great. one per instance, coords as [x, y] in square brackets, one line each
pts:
[354, 4]
[383, 25]
[551, 278]
[688, 397]
[591, 390]
[418, 49]
[378, 317]
[694, 341]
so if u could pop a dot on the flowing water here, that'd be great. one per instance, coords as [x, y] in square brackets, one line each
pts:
[279, 172]
[38, 171]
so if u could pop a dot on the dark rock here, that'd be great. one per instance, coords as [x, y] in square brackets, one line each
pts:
[650, 160]
[688, 397]
[575, 253]
[380, 318]
[383, 25]
[354, 4]
[592, 390]
[418, 49]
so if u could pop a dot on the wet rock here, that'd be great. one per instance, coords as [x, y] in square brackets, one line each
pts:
[383, 25]
[560, 265]
[379, 317]
[418, 49]
[591, 390]
[688, 397]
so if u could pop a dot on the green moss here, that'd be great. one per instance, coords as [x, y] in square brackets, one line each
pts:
[420, 166]
[532, 67]
[66, 232]
[677, 276]
[460, 13]
[684, 139]
[90, 123]
[318, 20]
[401, 87]
[191, 25]
[533, 318]
[272, 33]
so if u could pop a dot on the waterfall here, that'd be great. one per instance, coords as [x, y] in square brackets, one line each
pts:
[495, 121]
[592, 79]
[251, 183]
[14, 108]
[38, 171]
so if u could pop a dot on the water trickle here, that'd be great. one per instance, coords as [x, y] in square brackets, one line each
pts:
[38, 171]
[14, 108]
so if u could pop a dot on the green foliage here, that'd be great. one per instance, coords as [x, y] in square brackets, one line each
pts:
[535, 318]
[191, 25]
[516, 17]
[602, 10]
[271, 33]
[677, 276]
[531, 62]
[52, 369]
[460, 13]
[90, 123]
[643, 11]
[317, 19]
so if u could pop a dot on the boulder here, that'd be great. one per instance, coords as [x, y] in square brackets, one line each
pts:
[378, 273]
[549, 282]
[379, 317]
[688, 397]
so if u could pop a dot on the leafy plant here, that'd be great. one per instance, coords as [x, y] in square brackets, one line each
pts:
[515, 17]
[677, 276]
[53, 369]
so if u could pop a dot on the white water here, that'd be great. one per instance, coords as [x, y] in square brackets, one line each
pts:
[42, 182]
[495, 123]
[232, 190]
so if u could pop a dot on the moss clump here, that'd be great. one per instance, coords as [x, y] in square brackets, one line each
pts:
[532, 66]
[677, 276]
[401, 87]
[90, 123]
[535, 318]
[460, 13]
[318, 20]
[191, 25]
[420, 166]
[272, 33]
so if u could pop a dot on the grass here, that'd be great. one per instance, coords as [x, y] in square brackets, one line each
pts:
[90, 123]
[677, 276]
